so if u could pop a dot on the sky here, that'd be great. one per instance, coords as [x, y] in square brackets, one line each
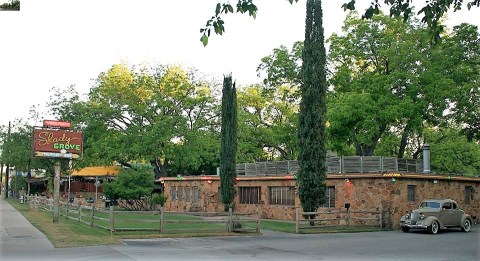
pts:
[58, 43]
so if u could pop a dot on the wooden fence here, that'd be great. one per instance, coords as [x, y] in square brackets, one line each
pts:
[335, 165]
[161, 221]
[338, 217]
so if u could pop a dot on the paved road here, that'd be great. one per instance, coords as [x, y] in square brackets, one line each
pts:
[388, 245]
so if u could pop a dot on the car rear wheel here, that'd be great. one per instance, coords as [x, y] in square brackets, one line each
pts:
[434, 227]
[467, 225]
[405, 229]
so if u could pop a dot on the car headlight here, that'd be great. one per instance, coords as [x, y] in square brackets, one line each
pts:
[422, 216]
[407, 216]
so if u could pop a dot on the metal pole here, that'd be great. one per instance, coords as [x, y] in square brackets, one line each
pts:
[7, 172]
[69, 178]
[56, 191]
[96, 189]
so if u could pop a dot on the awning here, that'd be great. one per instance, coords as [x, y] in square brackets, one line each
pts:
[99, 171]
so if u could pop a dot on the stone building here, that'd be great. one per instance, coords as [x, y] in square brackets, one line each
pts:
[393, 191]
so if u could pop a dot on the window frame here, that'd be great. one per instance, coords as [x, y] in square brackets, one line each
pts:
[173, 193]
[286, 193]
[246, 197]
[468, 195]
[411, 193]
[330, 202]
[196, 194]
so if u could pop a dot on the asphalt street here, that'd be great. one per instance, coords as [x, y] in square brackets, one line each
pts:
[18, 244]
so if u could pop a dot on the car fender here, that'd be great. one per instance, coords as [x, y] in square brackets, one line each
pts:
[466, 216]
[429, 220]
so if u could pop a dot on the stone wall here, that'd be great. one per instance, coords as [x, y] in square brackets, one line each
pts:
[368, 192]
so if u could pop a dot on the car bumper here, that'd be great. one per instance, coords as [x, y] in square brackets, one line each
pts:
[414, 226]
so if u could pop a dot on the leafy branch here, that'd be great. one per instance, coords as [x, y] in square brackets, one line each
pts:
[217, 23]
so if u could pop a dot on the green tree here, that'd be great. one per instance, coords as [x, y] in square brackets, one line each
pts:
[377, 64]
[228, 148]
[458, 61]
[452, 153]
[282, 67]
[389, 81]
[311, 127]
[267, 123]
[134, 187]
[155, 115]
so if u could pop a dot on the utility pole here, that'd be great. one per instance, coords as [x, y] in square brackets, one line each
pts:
[7, 172]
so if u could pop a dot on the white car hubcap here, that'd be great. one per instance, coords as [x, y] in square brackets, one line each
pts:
[466, 225]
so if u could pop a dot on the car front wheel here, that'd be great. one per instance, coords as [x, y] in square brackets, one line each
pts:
[434, 227]
[405, 229]
[467, 225]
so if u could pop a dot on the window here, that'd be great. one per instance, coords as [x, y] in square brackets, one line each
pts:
[173, 193]
[329, 198]
[180, 193]
[447, 205]
[468, 194]
[411, 192]
[282, 195]
[196, 194]
[249, 195]
[188, 190]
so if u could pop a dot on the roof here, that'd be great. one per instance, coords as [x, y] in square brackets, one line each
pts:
[98, 171]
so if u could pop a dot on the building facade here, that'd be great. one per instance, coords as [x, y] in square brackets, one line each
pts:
[393, 193]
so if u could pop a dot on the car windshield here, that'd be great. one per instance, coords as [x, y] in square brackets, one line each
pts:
[429, 204]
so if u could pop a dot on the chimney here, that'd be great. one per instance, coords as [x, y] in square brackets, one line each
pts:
[426, 158]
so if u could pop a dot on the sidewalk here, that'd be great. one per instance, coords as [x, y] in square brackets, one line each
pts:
[17, 234]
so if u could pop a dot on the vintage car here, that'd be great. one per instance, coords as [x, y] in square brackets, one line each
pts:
[436, 214]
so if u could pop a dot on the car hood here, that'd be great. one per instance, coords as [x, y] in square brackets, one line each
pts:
[426, 210]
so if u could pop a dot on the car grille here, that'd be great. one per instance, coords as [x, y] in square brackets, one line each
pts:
[414, 218]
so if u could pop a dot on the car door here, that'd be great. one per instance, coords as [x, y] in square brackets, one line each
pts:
[457, 215]
[447, 215]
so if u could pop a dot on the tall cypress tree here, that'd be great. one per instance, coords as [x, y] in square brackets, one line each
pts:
[311, 128]
[228, 147]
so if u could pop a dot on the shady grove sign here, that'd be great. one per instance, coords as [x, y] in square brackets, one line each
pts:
[54, 143]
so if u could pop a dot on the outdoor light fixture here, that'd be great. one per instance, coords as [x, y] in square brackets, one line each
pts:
[392, 181]
[435, 181]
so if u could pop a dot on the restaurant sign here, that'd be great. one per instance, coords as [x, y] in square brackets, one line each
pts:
[53, 143]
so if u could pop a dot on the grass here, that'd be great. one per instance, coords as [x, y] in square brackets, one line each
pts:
[65, 233]
[60, 234]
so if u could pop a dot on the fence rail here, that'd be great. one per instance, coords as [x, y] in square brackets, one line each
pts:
[161, 221]
[340, 165]
[338, 217]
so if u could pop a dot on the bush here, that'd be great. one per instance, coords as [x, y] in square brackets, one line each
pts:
[134, 187]
[158, 199]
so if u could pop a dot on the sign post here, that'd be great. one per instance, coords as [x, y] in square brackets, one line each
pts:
[56, 191]
[51, 141]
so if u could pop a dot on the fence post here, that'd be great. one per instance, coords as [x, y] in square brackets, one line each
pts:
[297, 220]
[92, 215]
[258, 219]
[79, 212]
[342, 165]
[66, 210]
[230, 218]
[381, 216]
[112, 225]
[162, 213]
[348, 217]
